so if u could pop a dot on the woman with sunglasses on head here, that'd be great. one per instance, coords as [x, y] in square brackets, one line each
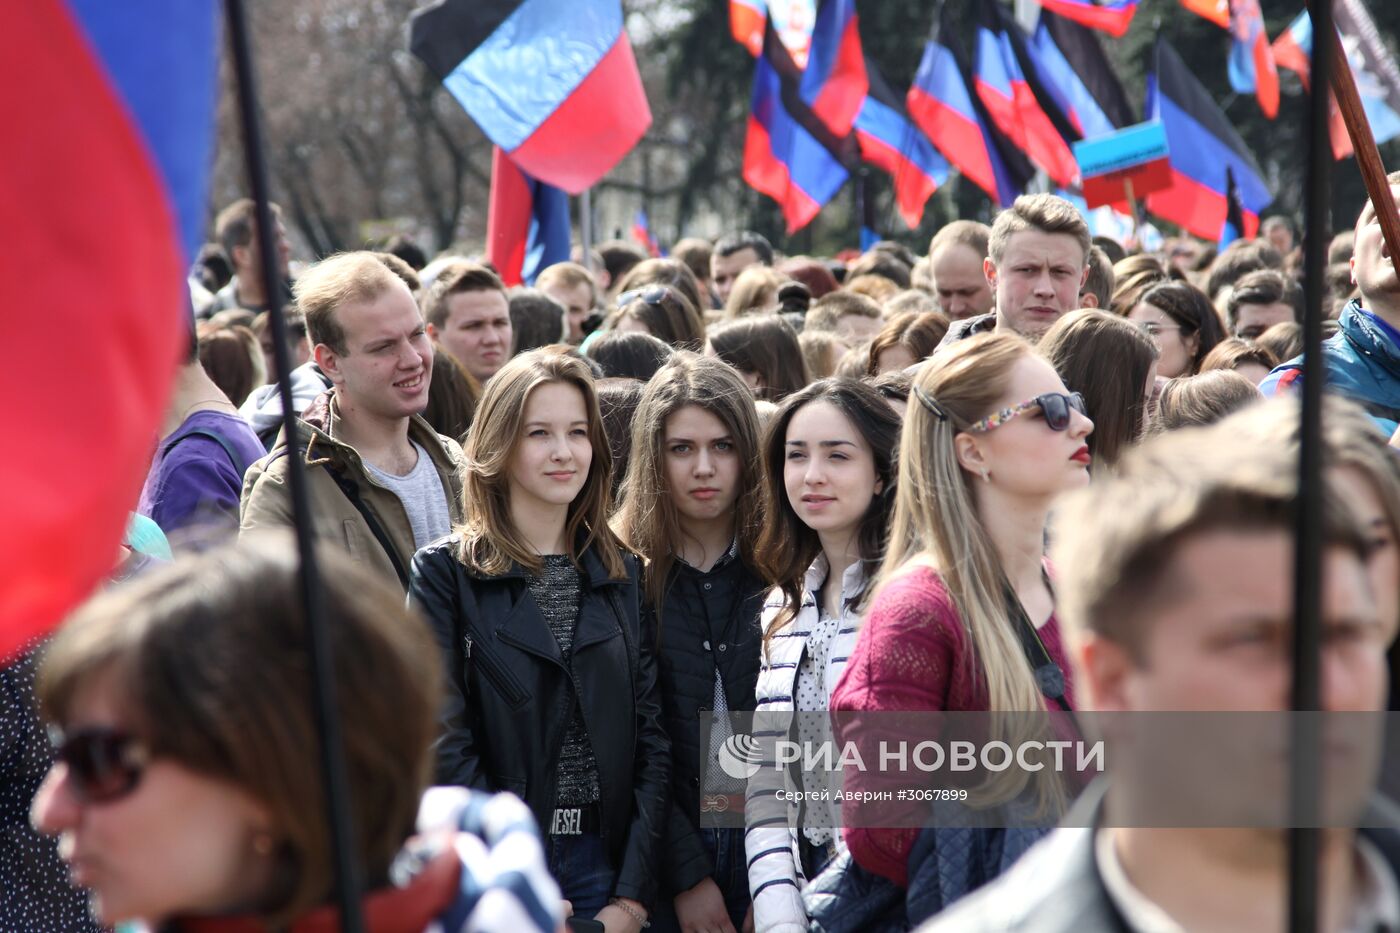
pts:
[661, 311]
[829, 488]
[185, 795]
[551, 682]
[692, 508]
[990, 438]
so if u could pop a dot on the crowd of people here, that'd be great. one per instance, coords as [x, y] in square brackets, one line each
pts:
[563, 526]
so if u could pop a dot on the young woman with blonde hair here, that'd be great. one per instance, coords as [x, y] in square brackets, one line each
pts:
[551, 681]
[964, 615]
[692, 508]
[829, 485]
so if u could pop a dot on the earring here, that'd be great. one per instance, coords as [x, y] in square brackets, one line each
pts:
[986, 475]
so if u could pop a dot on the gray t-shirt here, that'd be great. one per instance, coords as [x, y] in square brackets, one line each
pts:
[422, 495]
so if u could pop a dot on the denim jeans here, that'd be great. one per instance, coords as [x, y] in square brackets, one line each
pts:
[731, 874]
[580, 865]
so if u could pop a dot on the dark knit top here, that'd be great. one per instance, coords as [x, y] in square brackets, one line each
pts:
[556, 592]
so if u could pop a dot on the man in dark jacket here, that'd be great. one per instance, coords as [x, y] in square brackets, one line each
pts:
[383, 482]
[1175, 580]
[1363, 357]
[1037, 263]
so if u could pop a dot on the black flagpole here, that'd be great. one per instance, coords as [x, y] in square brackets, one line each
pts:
[332, 751]
[1304, 843]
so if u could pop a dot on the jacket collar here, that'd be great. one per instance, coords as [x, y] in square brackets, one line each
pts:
[591, 566]
[1364, 331]
[321, 426]
[851, 581]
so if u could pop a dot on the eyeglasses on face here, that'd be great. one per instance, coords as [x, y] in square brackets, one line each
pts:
[104, 764]
[1055, 406]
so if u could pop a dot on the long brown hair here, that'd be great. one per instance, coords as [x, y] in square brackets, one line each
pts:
[647, 518]
[1107, 359]
[490, 541]
[767, 345]
[787, 546]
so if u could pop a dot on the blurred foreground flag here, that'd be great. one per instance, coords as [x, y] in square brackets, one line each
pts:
[527, 223]
[116, 101]
[552, 82]
[746, 19]
[1110, 16]
[1206, 154]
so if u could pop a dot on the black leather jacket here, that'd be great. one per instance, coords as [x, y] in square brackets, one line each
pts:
[508, 695]
[709, 622]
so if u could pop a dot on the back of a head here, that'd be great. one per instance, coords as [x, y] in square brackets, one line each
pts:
[407, 250]
[1196, 401]
[452, 396]
[875, 287]
[630, 355]
[695, 253]
[619, 258]
[1100, 282]
[1107, 360]
[766, 345]
[1341, 248]
[618, 398]
[209, 656]
[1240, 258]
[826, 312]
[536, 320]
[732, 243]
[1233, 353]
[755, 289]
[671, 272]
[1284, 340]
[913, 299]
[665, 312]
[1131, 278]
[1112, 249]
[883, 263]
[232, 357]
[919, 333]
[810, 272]
[1043, 213]
[821, 351]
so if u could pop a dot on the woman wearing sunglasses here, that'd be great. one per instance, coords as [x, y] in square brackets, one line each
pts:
[963, 618]
[185, 793]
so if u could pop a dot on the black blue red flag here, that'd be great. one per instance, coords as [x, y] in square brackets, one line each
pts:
[1076, 73]
[1205, 152]
[1110, 16]
[942, 103]
[890, 140]
[789, 153]
[834, 83]
[552, 82]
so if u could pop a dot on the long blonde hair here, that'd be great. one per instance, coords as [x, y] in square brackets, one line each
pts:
[490, 540]
[935, 514]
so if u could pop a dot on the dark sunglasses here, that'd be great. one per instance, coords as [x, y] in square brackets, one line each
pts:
[104, 764]
[1056, 407]
[651, 294]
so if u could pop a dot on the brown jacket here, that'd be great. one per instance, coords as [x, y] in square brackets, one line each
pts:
[267, 493]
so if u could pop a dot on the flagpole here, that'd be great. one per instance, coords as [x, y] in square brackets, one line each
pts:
[340, 822]
[585, 224]
[1304, 837]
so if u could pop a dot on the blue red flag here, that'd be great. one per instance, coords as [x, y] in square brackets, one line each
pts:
[943, 105]
[1252, 68]
[1110, 16]
[746, 19]
[1012, 101]
[1076, 73]
[890, 141]
[552, 82]
[527, 224]
[1205, 152]
[834, 83]
[789, 153]
[116, 102]
[641, 232]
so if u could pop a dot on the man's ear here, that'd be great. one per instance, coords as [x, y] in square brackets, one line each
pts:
[1101, 673]
[969, 453]
[329, 361]
[990, 271]
[1084, 279]
[432, 330]
[1088, 300]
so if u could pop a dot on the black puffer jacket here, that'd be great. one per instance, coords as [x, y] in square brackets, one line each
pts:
[508, 699]
[708, 621]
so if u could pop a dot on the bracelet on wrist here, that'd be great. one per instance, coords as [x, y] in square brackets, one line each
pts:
[630, 911]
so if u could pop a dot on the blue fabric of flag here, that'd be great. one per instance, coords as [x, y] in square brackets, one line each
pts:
[895, 130]
[1202, 156]
[1066, 87]
[169, 88]
[524, 70]
[811, 167]
[992, 63]
[548, 240]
